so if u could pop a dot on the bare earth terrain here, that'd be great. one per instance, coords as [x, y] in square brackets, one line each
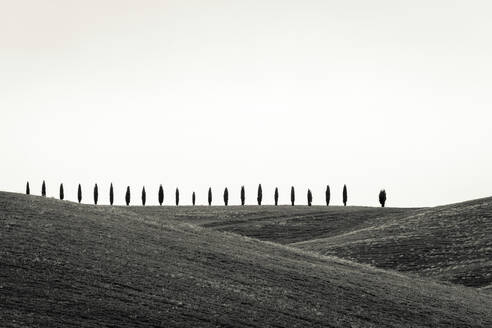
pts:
[71, 265]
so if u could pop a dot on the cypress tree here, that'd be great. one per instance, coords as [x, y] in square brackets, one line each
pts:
[276, 196]
[327, 195]
[209, 196]
[144, 196]
[96, 194]
[243, 196]
[111, 194]
[226, 196]
[292, 195]
[309, 197]
[127, 196]
[382, 197]
[193, 198]
[79, 193]
[28, 190]
[260, 194]
[345, 197]
[177, 197]
[161, 195]
[43, 189]
[62, 193]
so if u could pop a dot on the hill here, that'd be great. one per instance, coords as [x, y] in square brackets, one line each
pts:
[451, 243]
[65, 264]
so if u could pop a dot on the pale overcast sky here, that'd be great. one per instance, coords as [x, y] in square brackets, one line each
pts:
[372, 94]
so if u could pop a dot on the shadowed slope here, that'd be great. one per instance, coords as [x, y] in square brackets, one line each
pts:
[452, 243]
[64, 264]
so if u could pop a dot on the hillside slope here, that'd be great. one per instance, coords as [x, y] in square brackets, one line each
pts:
[452, 243]
[63, 264]
[279, 224]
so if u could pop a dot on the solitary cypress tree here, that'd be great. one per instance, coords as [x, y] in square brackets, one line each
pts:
[243, 196]
[309, 197]
[111, 194]
[275, 196]
[177, 197]
[226, 196]
[96, 194]
[28, 190]
[43, 189]
[345, 195]
[292, 195]
[327, 195]
[161, 195]
[382, 197]
[260, 194]
[62, 193]
[209, 196]
[193, 198]
[79, 193]
[127, 196]
[144, 196]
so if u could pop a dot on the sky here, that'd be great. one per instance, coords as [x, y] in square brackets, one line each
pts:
[390, 94]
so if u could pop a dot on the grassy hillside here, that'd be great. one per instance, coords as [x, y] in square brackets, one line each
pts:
[452, 243]
[63, 264]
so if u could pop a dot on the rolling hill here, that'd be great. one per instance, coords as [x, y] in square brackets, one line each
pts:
[65, 264]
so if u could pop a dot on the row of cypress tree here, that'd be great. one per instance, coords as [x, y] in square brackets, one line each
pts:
[259, 198]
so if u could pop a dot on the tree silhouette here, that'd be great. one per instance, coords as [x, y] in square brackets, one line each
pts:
[275, 196]
[161, 195]
[292, 195]
[144, 196]
[209, 196]
[260, 194]
[345, 197]
[43, 189]
[62, 194]
[177, 197]
[226, 196]
[28, 190]
[79, 193]
[243, 196]
[193, 198]
[382, 197]
[96, 194]
[309, 197]
[127, 196]
[111, 194]
[327, 195]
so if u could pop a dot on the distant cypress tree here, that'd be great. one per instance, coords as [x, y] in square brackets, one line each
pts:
[28, 190]
[276, 196]
[260, 194]
[209, 196]
[327, 195]
[127, 196]
[111, 194]
[161, 195]
[309, 197]
[96, 194]
[382, 197]
[292, 195]
[226, 196]
[79, 193]
[243, 196]
[43, 189]
[62, 193]
[144, 196]
[193, 198]
[177, 197]
[345, 197]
